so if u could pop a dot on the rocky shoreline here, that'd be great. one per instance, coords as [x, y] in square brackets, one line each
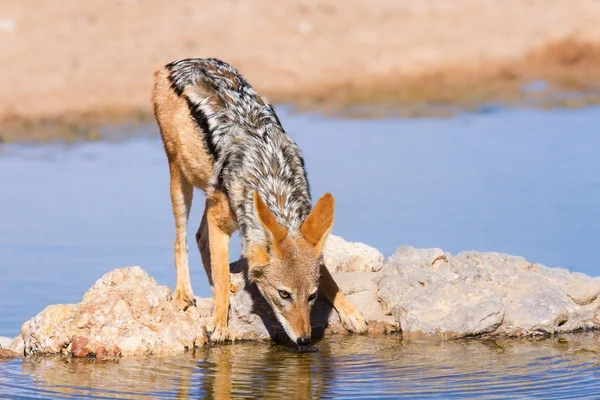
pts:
[418, 293]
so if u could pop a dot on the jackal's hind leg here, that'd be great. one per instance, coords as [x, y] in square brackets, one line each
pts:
[181, 200]
[350, 317]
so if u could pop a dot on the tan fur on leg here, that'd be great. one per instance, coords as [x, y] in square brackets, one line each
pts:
[351, 318]
[181, 200]
[221, 224]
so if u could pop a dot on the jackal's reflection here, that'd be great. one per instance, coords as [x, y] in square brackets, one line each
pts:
[260, 371]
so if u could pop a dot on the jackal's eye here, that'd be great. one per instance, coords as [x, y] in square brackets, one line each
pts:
[284, 294]
[312, 296]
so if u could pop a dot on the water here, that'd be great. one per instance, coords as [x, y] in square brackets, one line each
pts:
[344, 367]
[521, 182]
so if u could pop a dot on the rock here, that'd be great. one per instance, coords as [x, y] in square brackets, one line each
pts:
[411, 256]
[47, 332]
[360, 288]
[430, 292]
[125, 309]
[342, 256]
[414, 289]
[5, 342]
[79, 346]
[422, 292]
[17, 345]
[7, 353]
[102, 352]
[583, 290]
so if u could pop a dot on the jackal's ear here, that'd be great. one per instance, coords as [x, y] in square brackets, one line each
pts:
[268, 221]
[319, 222]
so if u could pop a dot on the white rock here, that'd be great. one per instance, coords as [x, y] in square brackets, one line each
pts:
[5, 342]
[431, 292]
[421, 291]
[342, 256]
[119, 312]
[17, 345]
[583, 290]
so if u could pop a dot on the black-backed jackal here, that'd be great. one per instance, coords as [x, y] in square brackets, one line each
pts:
[224, 138]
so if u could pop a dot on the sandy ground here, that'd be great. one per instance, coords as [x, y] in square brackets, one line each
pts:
[70, 59]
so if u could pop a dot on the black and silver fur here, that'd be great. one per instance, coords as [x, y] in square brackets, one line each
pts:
[250, 149]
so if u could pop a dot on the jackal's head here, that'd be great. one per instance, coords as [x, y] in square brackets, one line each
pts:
[287, 274]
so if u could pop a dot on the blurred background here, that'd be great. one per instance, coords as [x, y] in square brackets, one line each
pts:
[458, 124]
[67, 62]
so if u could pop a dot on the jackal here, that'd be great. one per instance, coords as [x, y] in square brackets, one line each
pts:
[221, 136]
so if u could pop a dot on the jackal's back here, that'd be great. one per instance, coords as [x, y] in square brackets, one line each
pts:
[247, 145]
[221, 101]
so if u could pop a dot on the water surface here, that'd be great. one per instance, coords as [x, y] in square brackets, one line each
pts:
[521, 182]
[344, 367]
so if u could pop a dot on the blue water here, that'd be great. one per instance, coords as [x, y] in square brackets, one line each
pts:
[344, 367]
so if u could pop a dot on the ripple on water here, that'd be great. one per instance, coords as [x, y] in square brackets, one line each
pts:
[343, 367]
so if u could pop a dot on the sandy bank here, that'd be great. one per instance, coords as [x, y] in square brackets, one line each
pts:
[93, 60]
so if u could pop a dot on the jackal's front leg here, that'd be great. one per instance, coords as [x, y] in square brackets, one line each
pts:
[351, 318]
[220, 227]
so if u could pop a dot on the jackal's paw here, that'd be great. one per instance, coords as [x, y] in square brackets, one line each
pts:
[353, 320]
[184, 298]
[217, 330]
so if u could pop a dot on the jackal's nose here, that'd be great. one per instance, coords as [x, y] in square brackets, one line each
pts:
[303, 341]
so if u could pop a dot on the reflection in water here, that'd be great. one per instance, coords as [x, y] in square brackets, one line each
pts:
[260, 371]
[344, 366]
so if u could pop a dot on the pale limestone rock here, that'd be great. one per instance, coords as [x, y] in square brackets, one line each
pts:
[542, 309]
[583, 290]
[5, 342]
[342, 256]
[8, 353]
[431, 292]
[17, 345]
[125, 311]
[47, 332]
[423, 292]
